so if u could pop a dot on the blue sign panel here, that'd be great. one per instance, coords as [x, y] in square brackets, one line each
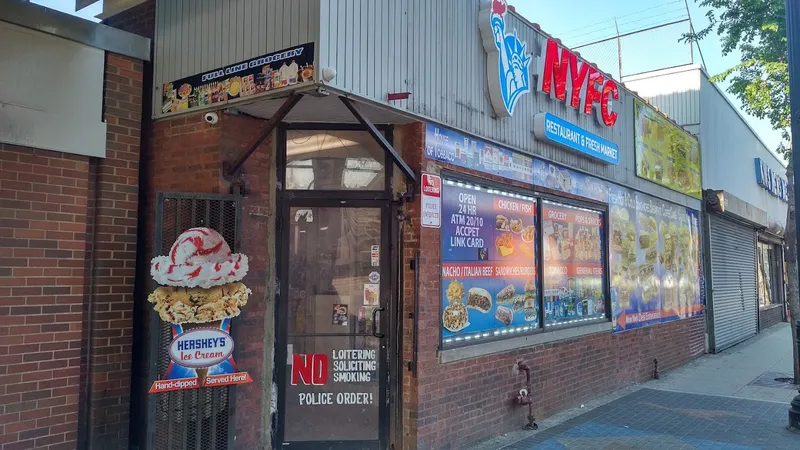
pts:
[550, 128]
[771, 181]
[454, 148]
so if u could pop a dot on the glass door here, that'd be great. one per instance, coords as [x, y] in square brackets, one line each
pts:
[337, 287]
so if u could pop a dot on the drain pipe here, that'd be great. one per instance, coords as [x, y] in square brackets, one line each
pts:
[524, 397]
[655, 369]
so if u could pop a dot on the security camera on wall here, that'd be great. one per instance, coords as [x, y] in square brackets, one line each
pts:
[211, 117]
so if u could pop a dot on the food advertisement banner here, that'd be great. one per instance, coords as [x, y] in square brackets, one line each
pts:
[451, 147]
[199, 295]
[277, 70]
[488, 263]
[666, 154]
[557, 178]
[655, 260]
[573, 264]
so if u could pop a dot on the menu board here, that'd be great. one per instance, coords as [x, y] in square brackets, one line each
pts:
[655, 260]
[573, 264]
[488, 263]
[665, 153]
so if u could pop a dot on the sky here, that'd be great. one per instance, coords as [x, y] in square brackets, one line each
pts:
[578, 22]
[68, 6]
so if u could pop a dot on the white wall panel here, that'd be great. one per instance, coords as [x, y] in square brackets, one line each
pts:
[729, 148]
[51, 92]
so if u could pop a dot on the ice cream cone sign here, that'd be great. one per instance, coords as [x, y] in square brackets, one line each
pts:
[201, 291]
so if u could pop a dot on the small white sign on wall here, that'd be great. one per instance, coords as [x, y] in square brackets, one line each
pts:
[431, 201]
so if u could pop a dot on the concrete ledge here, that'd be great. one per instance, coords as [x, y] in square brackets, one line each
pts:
[530, 340]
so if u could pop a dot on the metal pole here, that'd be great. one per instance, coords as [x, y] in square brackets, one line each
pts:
[792, 35]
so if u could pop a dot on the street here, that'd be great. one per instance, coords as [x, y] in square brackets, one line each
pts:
[724, 401]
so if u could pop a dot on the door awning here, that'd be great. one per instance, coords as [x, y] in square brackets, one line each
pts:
[283, 111]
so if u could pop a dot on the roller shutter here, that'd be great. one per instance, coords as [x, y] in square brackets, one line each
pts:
[733, 276]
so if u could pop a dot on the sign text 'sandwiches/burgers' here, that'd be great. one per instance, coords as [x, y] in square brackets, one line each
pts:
[559, 72]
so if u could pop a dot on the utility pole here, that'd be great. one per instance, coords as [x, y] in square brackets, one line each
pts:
[793, 41]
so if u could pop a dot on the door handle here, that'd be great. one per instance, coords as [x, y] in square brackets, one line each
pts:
[375, 323]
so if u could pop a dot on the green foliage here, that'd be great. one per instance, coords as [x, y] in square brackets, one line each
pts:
[757, 28]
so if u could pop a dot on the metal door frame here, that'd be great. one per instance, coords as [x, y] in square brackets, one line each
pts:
[155, 321]
[390, 357]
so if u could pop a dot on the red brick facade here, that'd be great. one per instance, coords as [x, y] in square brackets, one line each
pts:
[68, 249]
[455, 404]
[186, 156]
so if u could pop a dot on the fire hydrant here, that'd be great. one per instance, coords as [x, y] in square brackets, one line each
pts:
[524, 396]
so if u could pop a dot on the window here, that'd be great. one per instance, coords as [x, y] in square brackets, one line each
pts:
[334, 160]
[574, 283]
[490, 241]
[765, 270]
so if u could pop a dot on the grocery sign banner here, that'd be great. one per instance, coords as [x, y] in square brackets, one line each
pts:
[282, 69]
[665, 153]
[199, 295]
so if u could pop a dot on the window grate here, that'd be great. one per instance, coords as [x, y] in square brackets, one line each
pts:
[196, 419]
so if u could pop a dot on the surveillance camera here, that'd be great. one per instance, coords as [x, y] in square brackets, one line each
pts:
[211, 117]
[328, 74]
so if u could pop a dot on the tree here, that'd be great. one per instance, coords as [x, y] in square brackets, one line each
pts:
[757, 28]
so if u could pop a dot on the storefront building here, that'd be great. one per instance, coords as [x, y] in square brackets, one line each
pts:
[420, 227]
[70, 120]
[745, 200]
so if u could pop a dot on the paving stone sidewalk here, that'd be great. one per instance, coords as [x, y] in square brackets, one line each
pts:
[724, 401]
[654, 419]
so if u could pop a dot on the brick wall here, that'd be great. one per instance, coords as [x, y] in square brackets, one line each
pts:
[139, 20]
[452, 405]
[43, 216]
[66, 220]
[186, 155]
[768, 317]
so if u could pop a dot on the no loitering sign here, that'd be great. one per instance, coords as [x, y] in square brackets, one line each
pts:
[431, 201]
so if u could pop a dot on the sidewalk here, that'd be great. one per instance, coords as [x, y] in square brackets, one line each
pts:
[747, 370]
[724, 401]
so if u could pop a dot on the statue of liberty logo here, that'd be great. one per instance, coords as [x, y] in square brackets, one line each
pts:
[507, 65]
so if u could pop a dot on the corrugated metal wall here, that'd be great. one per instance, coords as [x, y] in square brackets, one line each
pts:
[433, 50]
[429, 48]
[676, 92]
[193, 36]
[733, 282]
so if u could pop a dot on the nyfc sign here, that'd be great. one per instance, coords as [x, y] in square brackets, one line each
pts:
[560, 74]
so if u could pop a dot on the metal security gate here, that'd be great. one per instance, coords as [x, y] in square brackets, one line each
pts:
[734, 300]
[196, 419]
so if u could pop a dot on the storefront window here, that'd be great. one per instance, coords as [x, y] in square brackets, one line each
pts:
[573, 264]
[334, 160]
[765, 270]
[489, 282]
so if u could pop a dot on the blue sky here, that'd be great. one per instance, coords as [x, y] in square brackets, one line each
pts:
[577, 22]
[68, 6]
